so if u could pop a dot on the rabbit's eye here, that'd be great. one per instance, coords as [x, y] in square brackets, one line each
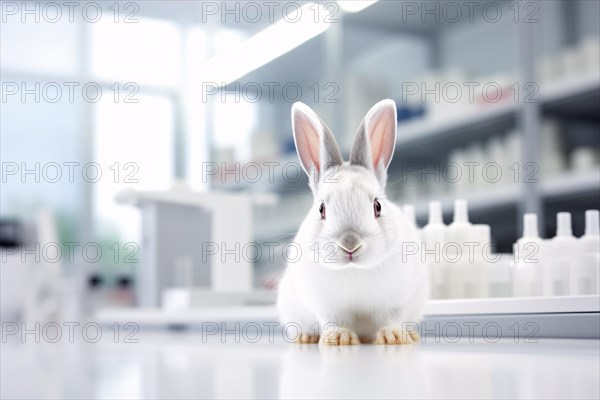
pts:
[322, 210]
[377, 208]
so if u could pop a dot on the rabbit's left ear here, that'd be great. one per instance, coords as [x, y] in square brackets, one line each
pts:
[315, 143]
[375, 140]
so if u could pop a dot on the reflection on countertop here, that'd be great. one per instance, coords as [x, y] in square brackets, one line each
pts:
[185, 365]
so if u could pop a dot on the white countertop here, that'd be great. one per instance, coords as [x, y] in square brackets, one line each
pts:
[186, 365]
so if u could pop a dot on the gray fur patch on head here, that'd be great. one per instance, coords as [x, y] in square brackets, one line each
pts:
[361, 153]
[330, 155]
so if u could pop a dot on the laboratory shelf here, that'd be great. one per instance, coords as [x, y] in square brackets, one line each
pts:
[572, 183]
[428, 130]
[476, 121]
[569, 88]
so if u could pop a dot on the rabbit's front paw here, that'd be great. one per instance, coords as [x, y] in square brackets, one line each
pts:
[390, 335]
[306, 338]
[339, 337]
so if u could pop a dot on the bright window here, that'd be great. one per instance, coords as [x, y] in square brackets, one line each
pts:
[134, 147]
[146, 52]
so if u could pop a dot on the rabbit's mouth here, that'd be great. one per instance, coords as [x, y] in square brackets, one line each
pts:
[349, 244]
[349, 255]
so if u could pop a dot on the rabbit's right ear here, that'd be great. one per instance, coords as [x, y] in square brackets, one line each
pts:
[316, 146]
[374, 145]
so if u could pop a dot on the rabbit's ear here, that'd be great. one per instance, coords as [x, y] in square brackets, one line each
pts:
[375, 140]
[316, 146]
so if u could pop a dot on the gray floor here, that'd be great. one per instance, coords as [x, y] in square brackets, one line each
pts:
[186, 365]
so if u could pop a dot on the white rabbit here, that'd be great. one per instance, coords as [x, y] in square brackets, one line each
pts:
[357, 276]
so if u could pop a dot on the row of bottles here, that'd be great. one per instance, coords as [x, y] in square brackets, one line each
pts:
[462, 263]
[563, 265]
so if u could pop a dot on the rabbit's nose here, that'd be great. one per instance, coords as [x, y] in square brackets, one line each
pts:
[350, 242]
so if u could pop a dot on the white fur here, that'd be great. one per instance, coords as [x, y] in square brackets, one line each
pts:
[380, 287]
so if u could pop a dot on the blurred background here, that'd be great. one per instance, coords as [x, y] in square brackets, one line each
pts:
[133, 131]
[150, 180]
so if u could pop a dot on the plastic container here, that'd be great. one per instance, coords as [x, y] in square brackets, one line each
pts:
[500, 276]
[528, 273]
[455, 252]
[475, 264]
[409, 212]
[433, 235]
[589, 277]
[563, 259]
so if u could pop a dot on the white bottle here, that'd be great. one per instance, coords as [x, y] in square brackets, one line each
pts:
[433, 235]
[409, 212]
[455, 253]
[500, 276]
[589, 279]
[474, 268]
[528, 273]
[563, 259]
